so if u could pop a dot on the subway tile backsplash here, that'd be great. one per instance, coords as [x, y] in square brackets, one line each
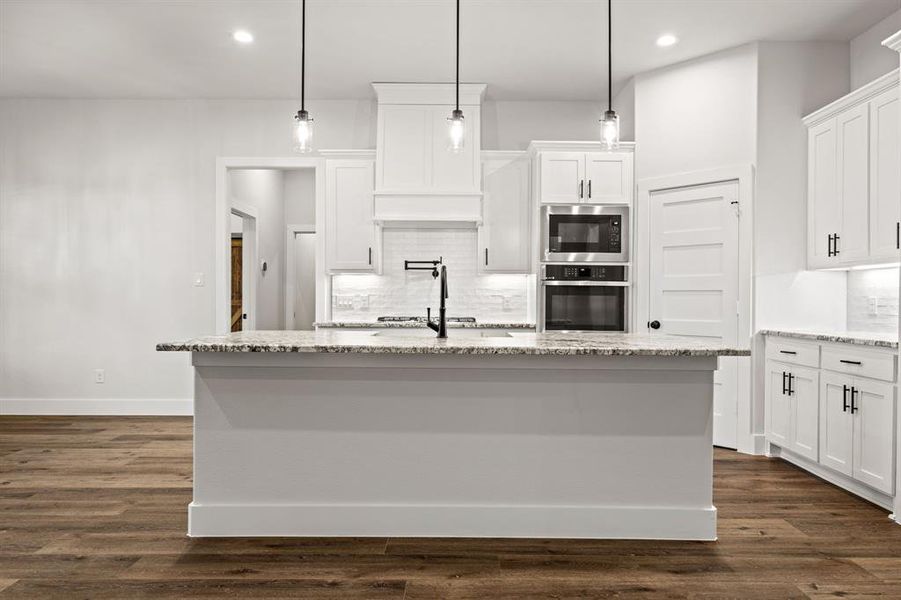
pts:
[873, 300]
[488, 298]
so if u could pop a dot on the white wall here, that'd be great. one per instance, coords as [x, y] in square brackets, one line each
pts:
[697, 115]
[300, 197]
[794, 79]
[512, 125]
[263, 189]
[869, 58]
[873, 300]
[89, 279]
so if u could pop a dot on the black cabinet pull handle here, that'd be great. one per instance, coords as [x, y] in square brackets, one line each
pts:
[844, 398]
[370, 255]
[486, 257]
[581, 188]
[898, 235]
[849, 362]
[784, 386]
[829, 245]
[589, 189]
[835, 250]
[854, 392]
[788, 352]
[791, 388]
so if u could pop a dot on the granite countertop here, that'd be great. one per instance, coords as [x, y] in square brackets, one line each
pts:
[549, 343]
[859, 338]
[416, 325]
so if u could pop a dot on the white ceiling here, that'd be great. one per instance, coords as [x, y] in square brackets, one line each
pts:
[523, 49]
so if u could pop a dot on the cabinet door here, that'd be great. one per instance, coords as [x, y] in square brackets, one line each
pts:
[805, 411]
[885, 176]
[562, 177]
[404, 147]
[874, 444]
[505, 233]
[853, 141]
[350, 229]
[778, 412]
[823, 207]
[608, 178]
[836, 422]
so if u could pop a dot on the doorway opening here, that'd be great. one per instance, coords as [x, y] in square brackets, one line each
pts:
[301, 281]
[243, 246]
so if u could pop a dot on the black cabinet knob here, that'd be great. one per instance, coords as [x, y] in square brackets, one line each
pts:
[654, 324]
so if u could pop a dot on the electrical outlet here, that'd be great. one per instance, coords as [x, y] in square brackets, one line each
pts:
[99, 376]
[198, 280]
[873, 306]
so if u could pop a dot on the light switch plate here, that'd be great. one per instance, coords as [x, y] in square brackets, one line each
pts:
[873, 305]
[99, 376]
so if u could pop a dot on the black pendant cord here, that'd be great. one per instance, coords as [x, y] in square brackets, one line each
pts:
[303, 51]
[609, 55]
[458, 57]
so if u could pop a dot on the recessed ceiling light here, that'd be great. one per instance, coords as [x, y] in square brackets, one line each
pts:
[667, 39]
[242, 36]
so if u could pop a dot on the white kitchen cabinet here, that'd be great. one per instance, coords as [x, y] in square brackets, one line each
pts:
[585, 177]
[505, 231]
[793, 408]
[874, 416]
[885, 176]
[836, 424]
[852, 141]
[854, 179]
[350, 230]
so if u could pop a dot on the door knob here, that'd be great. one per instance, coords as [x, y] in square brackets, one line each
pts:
[654, 324]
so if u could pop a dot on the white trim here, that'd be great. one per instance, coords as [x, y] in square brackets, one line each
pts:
[222, 284]
[537, 146]
[429, 520]
[893, 42]
[833, 477]
[348, 154]
[471, 94]
[745, 175]
[290, 231]
[97, 406]
[858, 96]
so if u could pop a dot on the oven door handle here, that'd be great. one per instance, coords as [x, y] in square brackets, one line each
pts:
[559, 282]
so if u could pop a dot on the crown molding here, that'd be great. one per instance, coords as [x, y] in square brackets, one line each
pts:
[893, 42]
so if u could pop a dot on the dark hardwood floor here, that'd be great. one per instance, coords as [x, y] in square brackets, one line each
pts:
[95, 507]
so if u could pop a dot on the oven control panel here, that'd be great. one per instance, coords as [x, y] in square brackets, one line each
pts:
[584, 273]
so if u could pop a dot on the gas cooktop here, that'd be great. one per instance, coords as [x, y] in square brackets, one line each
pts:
[422, 319]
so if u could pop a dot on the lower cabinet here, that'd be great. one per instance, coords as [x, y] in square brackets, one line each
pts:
[793, 408]
[839, 419]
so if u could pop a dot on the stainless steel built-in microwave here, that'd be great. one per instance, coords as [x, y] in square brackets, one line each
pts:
[585, 233]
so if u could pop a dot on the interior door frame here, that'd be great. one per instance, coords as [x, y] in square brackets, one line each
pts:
[291, 230]
[250, 246]
[750, 436]
[222, 237]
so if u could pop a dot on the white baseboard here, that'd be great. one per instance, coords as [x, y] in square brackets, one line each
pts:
[97, 406]
[429, 520]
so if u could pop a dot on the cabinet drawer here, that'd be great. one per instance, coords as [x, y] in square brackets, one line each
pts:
[793, 351]
[862, 363]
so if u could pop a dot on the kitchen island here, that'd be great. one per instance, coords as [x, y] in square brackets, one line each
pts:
[397, 433]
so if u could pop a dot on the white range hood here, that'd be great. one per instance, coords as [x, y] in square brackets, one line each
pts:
[417, 179]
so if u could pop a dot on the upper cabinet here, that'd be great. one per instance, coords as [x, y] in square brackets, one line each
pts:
[568, 177]
[505, 232]
[350, 229]
[854, 178]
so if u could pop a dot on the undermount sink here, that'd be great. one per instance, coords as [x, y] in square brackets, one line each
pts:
[451, 333]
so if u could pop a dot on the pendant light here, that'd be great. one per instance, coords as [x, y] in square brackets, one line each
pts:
[303, 124]
[610, 122]
[455, 123]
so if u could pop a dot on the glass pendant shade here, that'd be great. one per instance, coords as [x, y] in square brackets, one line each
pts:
[303, 132]
[610, 130]
[456, 131]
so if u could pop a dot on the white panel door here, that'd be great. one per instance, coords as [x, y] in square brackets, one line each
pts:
[885, 176]
[804, 396]
[505, 233]
[608, 178]
[874, 444]
[836, 422]
[349, 226]
[562, 176]
[824, 209]
[853, 141]
[694, 280]
[778, 406]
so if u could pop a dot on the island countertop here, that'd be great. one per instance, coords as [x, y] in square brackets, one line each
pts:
[547, 343]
